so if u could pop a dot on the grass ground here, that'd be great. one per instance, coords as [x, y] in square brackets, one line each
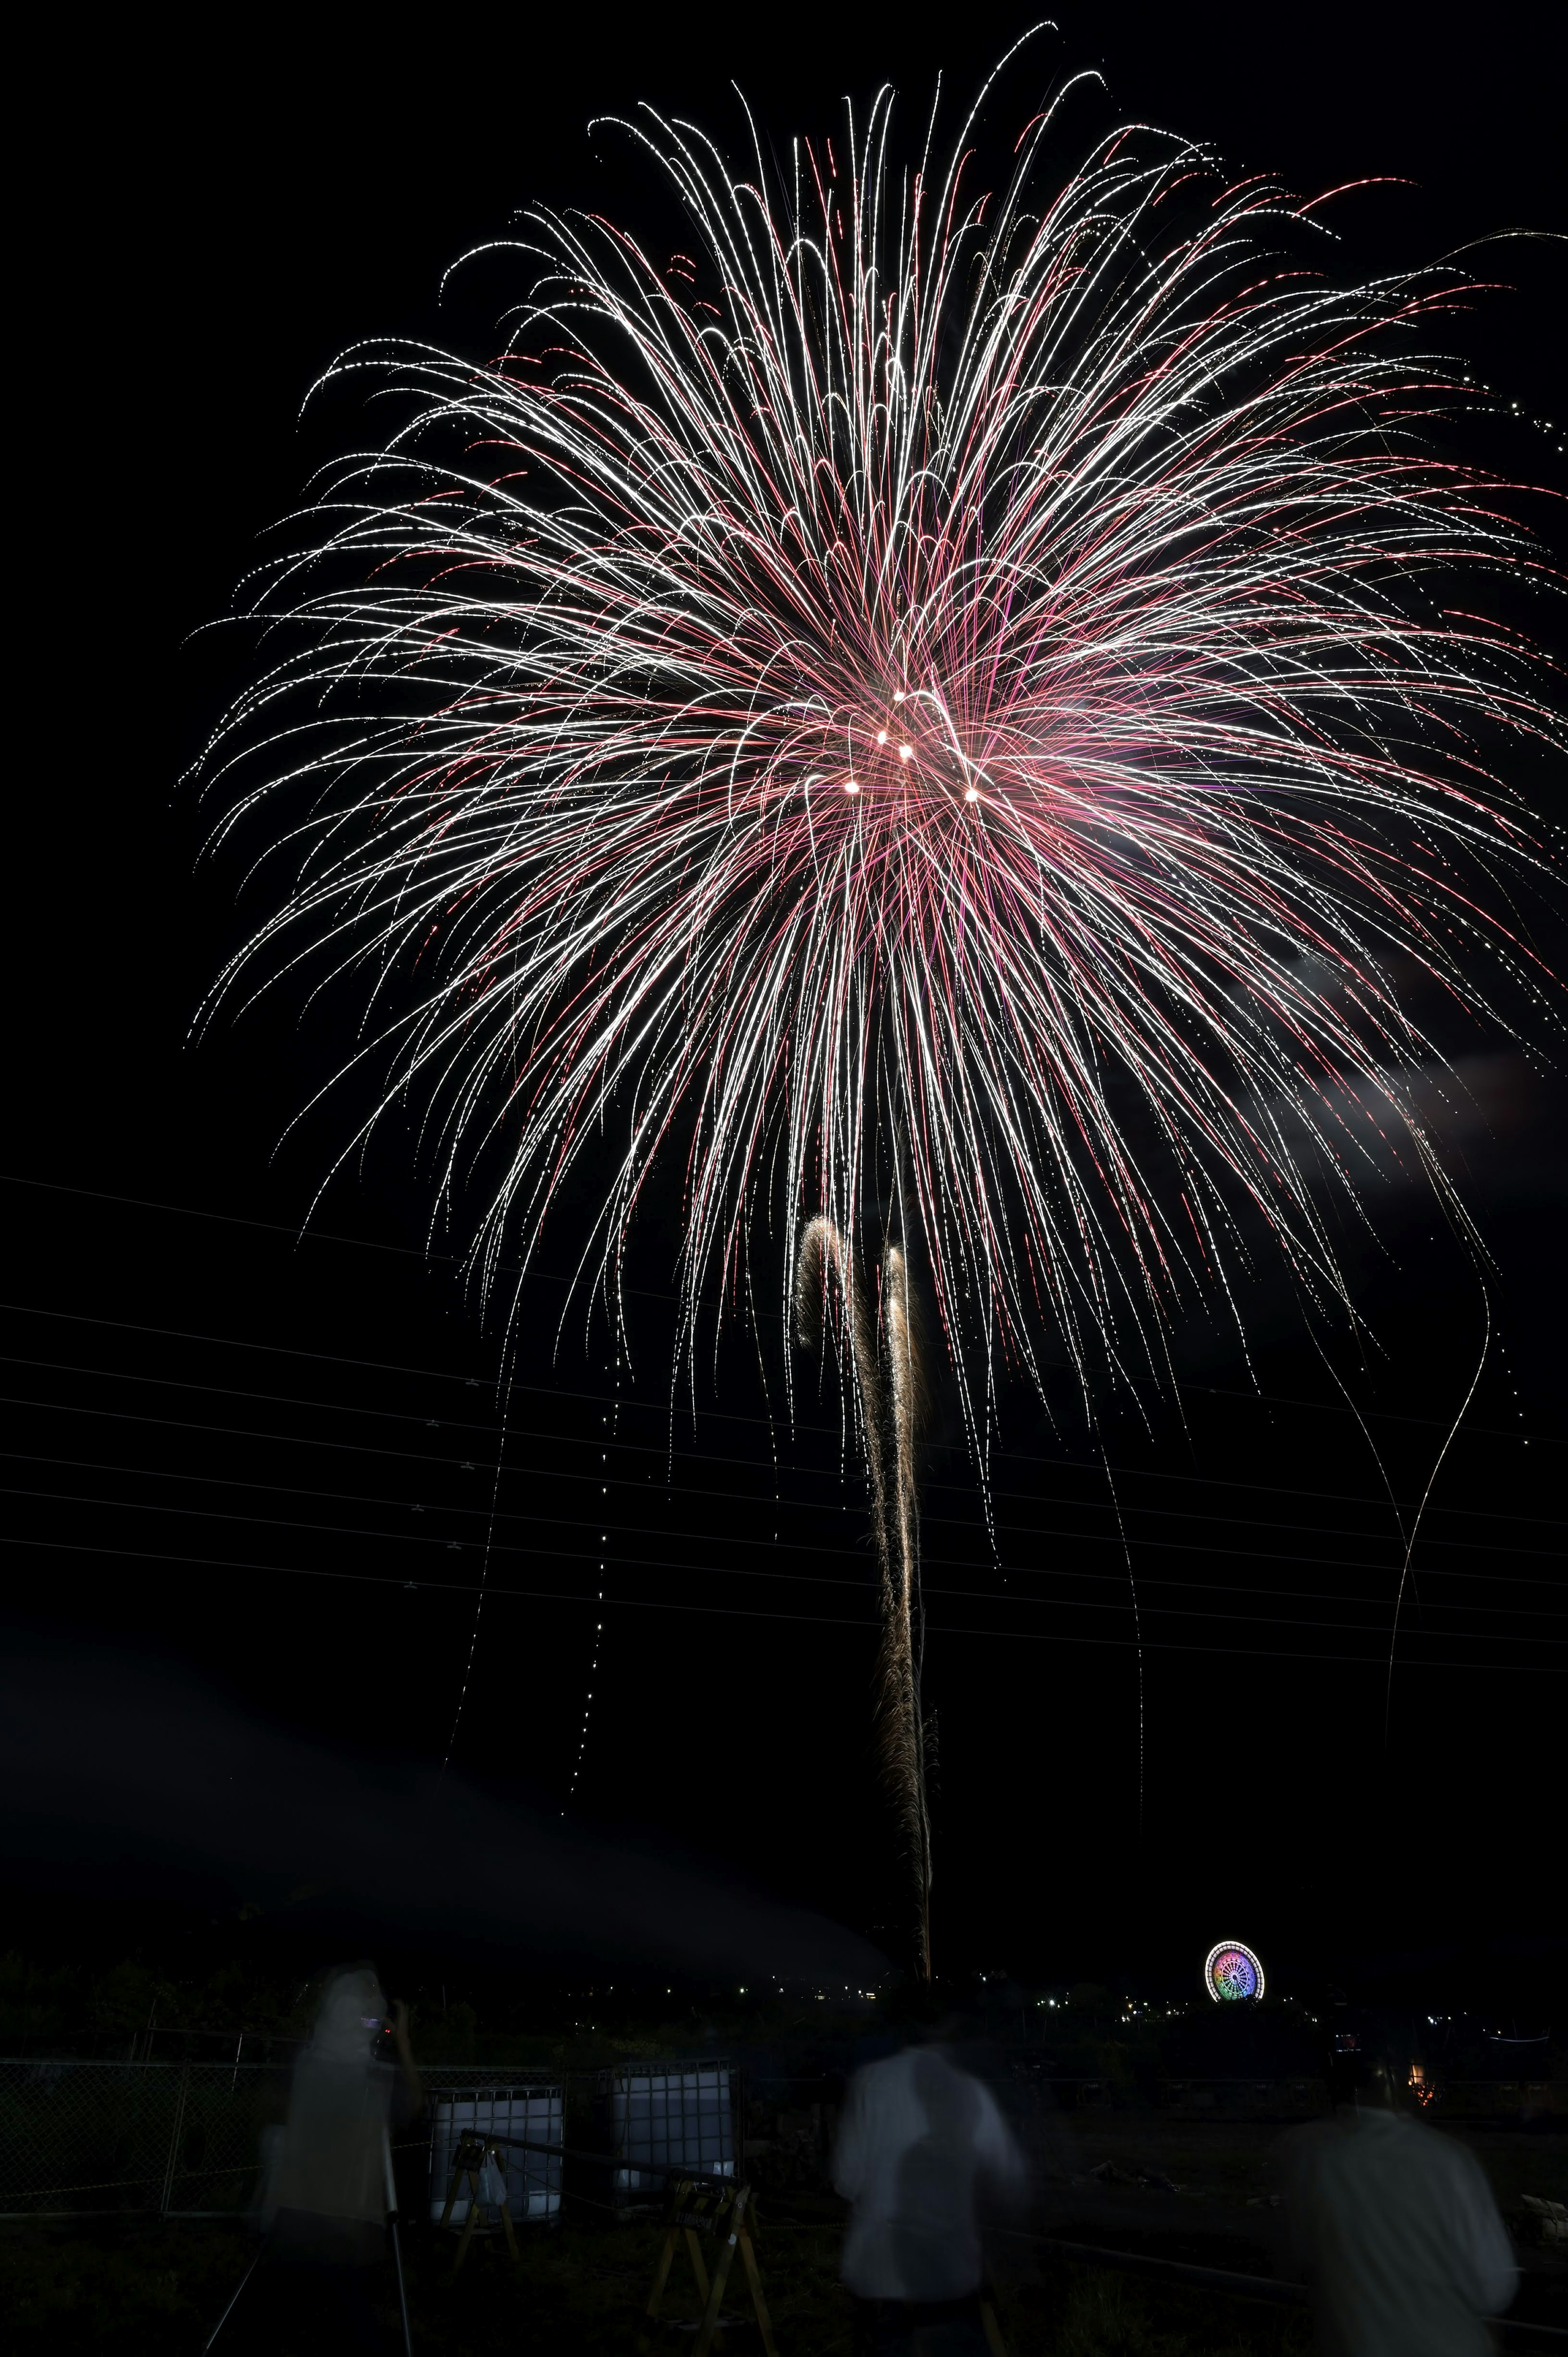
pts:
[575, 2291]
[124, 2287]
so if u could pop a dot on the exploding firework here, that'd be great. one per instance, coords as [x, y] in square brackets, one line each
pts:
[924, 695]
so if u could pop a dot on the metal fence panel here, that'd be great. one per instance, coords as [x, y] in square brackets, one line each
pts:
[680, 2114]
[178, 2137]
[186, 2139]
[495, 2105]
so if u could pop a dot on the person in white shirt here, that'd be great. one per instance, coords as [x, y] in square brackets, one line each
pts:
[922, 2147]
[324, 2207]
[1394, 2229]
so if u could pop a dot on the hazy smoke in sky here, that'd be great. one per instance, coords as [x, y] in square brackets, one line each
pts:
[143, 1778]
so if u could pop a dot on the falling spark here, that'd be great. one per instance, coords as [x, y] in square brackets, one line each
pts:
[886, 1363]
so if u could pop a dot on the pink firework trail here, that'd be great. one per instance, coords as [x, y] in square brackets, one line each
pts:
[964, 701]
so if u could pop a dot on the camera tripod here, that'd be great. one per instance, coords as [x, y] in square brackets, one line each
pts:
[397, 2261]
[474, 2155]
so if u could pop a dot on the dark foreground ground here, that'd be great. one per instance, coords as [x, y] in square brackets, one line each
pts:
[576, 2290]
[582, 2288]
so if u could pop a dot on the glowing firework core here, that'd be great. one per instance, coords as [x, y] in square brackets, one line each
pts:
[886, 1372]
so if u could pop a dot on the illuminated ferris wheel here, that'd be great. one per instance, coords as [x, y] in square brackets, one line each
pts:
[1232, 1972]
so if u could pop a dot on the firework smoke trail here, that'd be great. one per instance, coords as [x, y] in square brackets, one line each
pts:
[885, 1361]
[1001, 671]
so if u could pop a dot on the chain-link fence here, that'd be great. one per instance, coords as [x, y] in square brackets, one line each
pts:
[187, 2139]
[183, 2139]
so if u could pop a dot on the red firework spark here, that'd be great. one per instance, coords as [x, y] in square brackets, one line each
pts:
[959, 698]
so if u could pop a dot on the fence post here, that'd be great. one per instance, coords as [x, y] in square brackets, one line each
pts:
[174, 2138]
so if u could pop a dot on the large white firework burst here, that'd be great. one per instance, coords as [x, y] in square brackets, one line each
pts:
[948, 711]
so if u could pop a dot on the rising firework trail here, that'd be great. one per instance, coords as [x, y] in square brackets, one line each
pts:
[1001, 671]
[887, 1379]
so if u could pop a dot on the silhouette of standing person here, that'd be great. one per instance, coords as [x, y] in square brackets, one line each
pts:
[327, 2196]
[921, 2147]
[1394, 2226]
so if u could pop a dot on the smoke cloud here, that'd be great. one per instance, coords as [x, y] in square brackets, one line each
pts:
[130, 1777]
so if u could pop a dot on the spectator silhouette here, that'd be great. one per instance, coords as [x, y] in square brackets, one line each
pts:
[326, 2206]
[1394, 2226]
[922, 2149]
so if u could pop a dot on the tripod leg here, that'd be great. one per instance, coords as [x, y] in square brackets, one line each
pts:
[402, 2292]
[698, 2269]
[473, 2219]
[662, 2277]
[754, 2278]
[993, 2341]
[715, 2300]
[493, 2156]
[389, 2181]
[234, 2304]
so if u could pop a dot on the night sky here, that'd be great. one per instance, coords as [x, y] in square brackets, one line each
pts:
[251, 1474]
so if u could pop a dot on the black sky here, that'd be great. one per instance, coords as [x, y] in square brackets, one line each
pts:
[258, 1474]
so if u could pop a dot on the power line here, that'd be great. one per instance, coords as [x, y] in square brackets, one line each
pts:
[645, 1293]
[692, 1456]
[739, 1538]
[561, 1521]
[1015, 1457]
[237, 1219]
[736, 1571]
[606, 1481]
[642, 1448]
[277, 1350]
[734, 1612]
